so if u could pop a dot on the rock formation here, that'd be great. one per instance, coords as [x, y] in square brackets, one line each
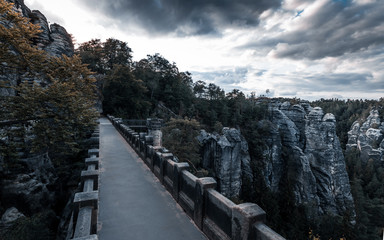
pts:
[304, 146]
[227, 157]
[11, 215]
[301, 147]
[54, 39]
[31, 187]
[368, 138]
[32, 190]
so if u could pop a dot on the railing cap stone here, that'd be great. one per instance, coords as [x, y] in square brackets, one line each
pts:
[90, 237]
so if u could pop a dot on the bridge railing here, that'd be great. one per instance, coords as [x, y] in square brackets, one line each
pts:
[214, 214]
[83, 224]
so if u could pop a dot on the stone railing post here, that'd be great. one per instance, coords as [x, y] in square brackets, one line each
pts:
[150, 156]
[164, 157]
[243, 217]
[154, 130]
[202, 184]
[177, 170]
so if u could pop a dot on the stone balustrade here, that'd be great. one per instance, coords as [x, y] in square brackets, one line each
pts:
[215, 215]
[83, 225]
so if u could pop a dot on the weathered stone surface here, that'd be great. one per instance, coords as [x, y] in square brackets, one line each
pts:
[61, 41]
[43, 38]
[327, 162]
[302, 141]
[227, 157]
[11, 215]
[54, 39]
[368, 138]
[31, 191]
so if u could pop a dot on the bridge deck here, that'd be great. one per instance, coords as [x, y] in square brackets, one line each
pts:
[133, 204]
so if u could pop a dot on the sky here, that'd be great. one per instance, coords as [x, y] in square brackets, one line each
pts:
[309, 49]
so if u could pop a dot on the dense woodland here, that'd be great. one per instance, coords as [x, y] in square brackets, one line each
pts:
[154, 87]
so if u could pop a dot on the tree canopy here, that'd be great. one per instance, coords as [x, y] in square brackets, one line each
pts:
[52, 107]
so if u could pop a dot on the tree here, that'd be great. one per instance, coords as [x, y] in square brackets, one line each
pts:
[60, 113]
[166, 83]
[116, 52]
[124, 95]
[16, 51]
[215, 92]
[54, 110]
[91, 53]
[180, 137]
[200, 89]
[102, 56]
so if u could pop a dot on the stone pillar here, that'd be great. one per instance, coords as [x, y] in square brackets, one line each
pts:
[177, 171]
[243, 217]
[154, 129]
[202, 184]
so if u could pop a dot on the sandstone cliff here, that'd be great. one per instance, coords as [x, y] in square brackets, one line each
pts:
[227, 157]
[368, 138]
[301, 147]
[53, 38]
[31, 185]
[305, 146]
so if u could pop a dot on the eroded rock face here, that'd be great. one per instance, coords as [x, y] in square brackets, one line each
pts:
[11, 215]
[228, 159]
[31, 191]
[61, 41]
[327, 163]
[368, 138]
[54, 39]
[302, 143]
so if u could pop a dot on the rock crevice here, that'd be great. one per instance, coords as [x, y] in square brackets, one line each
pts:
[226, 156]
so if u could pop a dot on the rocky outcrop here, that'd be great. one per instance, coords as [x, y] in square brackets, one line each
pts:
[325, 156]
[10, 215]
[227, 158]
[32, 190]
[302, 145]
[368, 138]
[54, 39]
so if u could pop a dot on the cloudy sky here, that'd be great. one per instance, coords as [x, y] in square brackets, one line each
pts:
[309, 49]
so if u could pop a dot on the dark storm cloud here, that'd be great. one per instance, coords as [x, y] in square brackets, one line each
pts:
[336, 28]
[184, 17]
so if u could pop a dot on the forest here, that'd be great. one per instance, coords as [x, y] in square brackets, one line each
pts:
[62, 111]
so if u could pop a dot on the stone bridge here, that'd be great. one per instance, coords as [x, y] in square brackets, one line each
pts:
[133, 189]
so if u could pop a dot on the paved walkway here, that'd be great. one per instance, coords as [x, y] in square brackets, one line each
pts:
[133, 204]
